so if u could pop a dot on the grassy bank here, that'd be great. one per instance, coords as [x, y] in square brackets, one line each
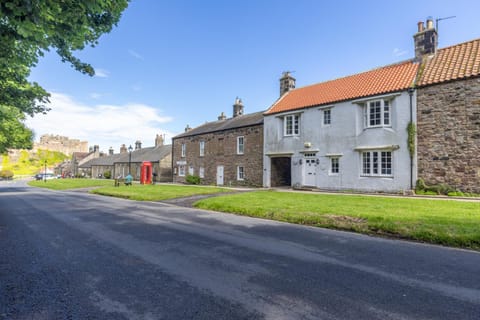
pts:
[452, 223]
[155, 192]
[65, 184]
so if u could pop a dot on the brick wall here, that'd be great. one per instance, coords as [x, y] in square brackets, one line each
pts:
[221, 149]
[448, 120]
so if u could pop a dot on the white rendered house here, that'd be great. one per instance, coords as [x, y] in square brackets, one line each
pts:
[345, 134]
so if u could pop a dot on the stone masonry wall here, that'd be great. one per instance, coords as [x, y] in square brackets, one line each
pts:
[221, 149]
[448, 134]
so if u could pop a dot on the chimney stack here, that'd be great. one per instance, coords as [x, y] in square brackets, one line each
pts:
[138, 145]
[222, 116]
[187, 128]
[287, 83]
[237, 108]
[110, 151]
[425, 39]
[123, 148]
[159, 140]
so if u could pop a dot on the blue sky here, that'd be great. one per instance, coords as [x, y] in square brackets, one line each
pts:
[177, 62]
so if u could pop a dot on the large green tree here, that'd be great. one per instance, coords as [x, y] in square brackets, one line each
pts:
[29, 28]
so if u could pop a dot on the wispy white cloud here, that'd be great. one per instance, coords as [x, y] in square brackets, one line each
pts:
[135, 54]
[399, 52]
[104, 125]
[101, 73]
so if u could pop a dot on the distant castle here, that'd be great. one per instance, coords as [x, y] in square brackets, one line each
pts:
[61, 144]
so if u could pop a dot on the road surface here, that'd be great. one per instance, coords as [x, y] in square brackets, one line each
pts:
[72, 255]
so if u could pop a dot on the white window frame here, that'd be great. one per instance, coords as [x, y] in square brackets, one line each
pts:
[294, 130]
[240, 145]
[334, 166]
[383, 112]
[327, 117]
[376, 163]
[202, 148]
[184, 150]
[191, 170]
[181, 170]
[201, 172]
[240, 173]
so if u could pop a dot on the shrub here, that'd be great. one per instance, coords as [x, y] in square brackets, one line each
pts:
[6, 174]
[191, 179]
[107, 174]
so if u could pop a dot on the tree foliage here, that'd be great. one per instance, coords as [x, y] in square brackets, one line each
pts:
[29, 28]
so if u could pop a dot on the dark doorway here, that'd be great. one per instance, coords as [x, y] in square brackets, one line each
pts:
[281, 172]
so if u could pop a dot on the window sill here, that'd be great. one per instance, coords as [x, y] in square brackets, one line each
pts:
[376, 176]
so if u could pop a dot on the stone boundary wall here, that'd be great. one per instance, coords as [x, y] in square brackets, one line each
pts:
[448, 134]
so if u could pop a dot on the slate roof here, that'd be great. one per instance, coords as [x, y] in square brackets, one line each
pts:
[391, 78]
[152, 154]
[245, 120]
[452, 63]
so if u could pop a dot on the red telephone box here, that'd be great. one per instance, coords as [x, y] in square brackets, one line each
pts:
[146, 172]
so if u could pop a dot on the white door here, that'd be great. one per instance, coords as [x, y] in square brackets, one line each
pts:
[219, 175]
[309, 172]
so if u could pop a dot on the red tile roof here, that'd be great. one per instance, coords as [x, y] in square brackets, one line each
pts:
[386, 79]
[452, 63]
[392, 78]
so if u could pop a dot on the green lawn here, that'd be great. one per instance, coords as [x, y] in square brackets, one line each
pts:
[155, 192]
[65, 184]
[446, 222]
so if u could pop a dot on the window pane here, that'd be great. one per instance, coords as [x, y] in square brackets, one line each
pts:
[326, 117]
[375, 162]
[295, 128]
[386, 163]
[366, 162]
[288, 125]
[386, 113]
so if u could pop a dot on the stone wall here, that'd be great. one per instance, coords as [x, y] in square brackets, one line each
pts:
[221, 149]
[448, 129]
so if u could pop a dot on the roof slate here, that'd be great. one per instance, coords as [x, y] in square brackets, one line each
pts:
[244, 120]
[153, 154]
[456, 62]
[392, 78]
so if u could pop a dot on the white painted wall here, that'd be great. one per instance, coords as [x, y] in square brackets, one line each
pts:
[345, 133]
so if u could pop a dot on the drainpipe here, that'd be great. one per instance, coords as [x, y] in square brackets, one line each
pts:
[410, 93]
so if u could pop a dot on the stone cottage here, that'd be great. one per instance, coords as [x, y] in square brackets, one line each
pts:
[131, 159]
[448, 112]
[223, 152]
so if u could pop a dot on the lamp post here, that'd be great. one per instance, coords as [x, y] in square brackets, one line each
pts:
[45, 172]
[130, 149]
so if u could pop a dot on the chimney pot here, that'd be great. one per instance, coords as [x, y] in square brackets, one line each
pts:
[421, 26]
[222, 116]
[429, 23]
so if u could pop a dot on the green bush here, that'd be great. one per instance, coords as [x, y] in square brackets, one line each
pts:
[191, 179]
[107, 174]
[6, 174]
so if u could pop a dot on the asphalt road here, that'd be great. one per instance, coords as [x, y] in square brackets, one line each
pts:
[71, 255]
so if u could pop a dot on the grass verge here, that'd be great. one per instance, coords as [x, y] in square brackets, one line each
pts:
[451, 223]
[65, 184]
[155, 192]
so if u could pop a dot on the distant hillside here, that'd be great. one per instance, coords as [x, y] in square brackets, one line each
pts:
[29, 162]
